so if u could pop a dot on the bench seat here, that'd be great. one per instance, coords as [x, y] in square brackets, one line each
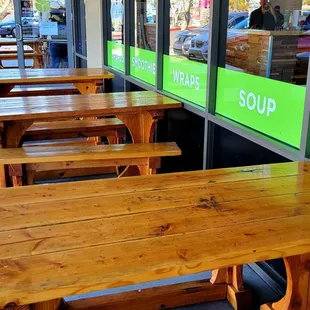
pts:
[61, 142]
[109, 127]
[46, 158]
[11, 56]
[43, 90]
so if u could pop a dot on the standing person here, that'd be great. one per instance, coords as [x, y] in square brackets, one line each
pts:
[59, 51]
[280, 17]
[264, 17]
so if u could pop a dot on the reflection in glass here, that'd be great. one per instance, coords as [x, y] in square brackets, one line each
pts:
[272, 42]
[145, 24]
[117, 19]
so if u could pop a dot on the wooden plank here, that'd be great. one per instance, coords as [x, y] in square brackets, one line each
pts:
[103, 205]
[73, 233]
[48, 128]
[43, 277]
[73, 173]
[87, 164]
[207, 179]
[48, 305]
[39, 91]
[52, 76]
[43, 108]
[46, 154]
[9, 56]
[165, 297]
[54, 143]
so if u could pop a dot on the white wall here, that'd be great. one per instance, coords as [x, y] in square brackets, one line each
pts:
[94, 33]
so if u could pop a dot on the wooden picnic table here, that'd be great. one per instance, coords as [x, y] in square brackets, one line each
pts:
[74, 238]
[87, 81]
[139, 111]
[35, 45]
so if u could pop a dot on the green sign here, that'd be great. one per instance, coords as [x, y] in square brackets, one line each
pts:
[143, 65]
[43, 5]
[271, 107]
[116, 55]
[186, 79]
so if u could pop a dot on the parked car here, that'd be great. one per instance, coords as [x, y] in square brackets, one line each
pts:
[183, 38]
[30, 26]
[198, 49]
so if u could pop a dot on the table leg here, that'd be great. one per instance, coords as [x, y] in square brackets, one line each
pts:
[141, 127]
[297, 295]
[237, 296]
[5, 89]
[13, 132]
[87, 88]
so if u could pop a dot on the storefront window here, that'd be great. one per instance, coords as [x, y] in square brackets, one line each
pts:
[263, 83]
[116, 50]
[185, 67]
[143, 51]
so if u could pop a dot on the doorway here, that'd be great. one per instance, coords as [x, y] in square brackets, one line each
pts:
[35, 34]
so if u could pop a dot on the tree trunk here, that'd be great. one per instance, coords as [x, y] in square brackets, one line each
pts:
[5, 9]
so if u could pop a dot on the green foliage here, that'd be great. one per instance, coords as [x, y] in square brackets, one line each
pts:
[43, 5]
[239, 5]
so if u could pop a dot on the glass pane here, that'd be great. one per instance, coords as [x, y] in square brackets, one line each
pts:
[185, 67]
[143, 51]
[8, 45]
[43, 24]
[263, 83]
[117, 19]
[116, 50]
[80, 27]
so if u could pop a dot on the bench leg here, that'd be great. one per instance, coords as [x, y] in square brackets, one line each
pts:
[2, 176]
[48, 305]
[5, 89]
[238, 297]
[298, 285]
[16, 173]
[30, 177]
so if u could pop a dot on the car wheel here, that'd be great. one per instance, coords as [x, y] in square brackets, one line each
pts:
[3, 36]
[13, 33]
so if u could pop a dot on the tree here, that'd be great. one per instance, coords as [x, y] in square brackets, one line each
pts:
[181, 11]
[6, 6]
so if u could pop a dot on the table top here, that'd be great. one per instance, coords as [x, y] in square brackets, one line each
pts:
[56, 76]
[66, 239]
[49, 107]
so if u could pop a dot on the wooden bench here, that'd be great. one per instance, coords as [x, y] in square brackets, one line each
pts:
[144, 156]
[37, 59]
[43, 90]
[112, 128]
[87, 81]
[61, 240]
[57, 174]
[53, 133]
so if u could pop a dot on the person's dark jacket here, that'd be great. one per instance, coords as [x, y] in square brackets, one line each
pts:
[258, 20]
[280, 19]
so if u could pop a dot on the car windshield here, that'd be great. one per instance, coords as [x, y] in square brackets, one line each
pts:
[8, 19]
[242, 25]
